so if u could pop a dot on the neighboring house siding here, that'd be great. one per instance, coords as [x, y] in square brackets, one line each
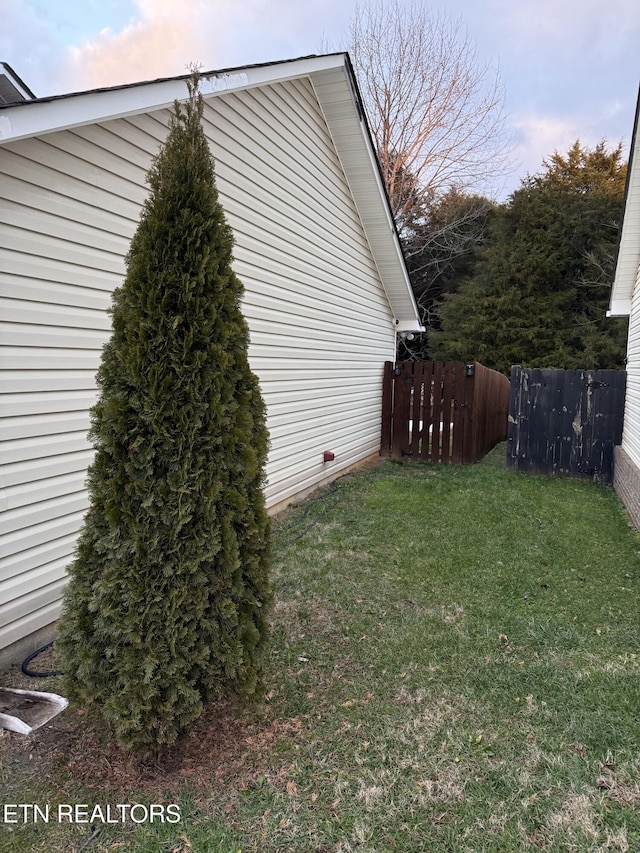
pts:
[627, 457]
[320, 322]
[631, 431]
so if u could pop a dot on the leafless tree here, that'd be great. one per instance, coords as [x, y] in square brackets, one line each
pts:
[436, 113]
[439, 253]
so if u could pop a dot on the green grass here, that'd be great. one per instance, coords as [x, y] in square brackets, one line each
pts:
[454, 667]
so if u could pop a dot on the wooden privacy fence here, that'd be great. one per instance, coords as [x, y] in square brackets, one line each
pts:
[442, 411]
[565, 421]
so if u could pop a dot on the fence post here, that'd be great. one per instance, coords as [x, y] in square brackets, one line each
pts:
[387, 409]
[468, 440]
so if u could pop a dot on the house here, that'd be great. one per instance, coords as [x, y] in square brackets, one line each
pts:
[12, 88]
[327, 291]
[625, 302]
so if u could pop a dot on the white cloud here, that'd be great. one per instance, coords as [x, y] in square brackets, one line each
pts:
[162, 40]
[539, 136]
[164, 37]
[558, 22]
[26, 42]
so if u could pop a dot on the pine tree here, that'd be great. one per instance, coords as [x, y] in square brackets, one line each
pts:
[168, 599]
[539, 292]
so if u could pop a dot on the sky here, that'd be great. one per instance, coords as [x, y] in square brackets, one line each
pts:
[570, 68]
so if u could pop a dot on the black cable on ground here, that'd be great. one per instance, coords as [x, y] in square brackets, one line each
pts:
[33, 673]
[310, 503]
[314, 522]
[95, 832]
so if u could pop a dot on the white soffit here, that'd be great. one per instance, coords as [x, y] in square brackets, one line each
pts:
[335, 89]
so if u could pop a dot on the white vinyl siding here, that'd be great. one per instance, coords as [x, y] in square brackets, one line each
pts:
[321, 325]
[625, 283]
[631, 431]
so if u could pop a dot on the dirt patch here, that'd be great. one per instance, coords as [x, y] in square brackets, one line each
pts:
[311, 617]
[576, 814]
[626, 794]
[229, 747]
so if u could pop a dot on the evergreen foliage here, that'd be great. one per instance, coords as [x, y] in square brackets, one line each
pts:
[539, 292]
[168, 600]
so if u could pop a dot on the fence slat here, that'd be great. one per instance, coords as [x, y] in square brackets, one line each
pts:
[437, 451]
[416, 408]
[442, 411]
[427, 409]
[447, 411]
[565, 422]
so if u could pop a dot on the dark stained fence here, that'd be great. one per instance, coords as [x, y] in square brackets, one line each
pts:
[442, 411]
[565, 421]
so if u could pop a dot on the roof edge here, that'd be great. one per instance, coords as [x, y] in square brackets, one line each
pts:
[416, 325]
[18, 82]
[62, 112]
[623, 283]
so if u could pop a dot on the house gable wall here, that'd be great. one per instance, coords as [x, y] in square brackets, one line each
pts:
[321, 325]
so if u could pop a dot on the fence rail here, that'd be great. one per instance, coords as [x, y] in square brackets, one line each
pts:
[442, 411]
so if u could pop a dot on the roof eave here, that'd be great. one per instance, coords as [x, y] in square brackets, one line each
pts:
[619, 308]
[63, 112]
[356, 151]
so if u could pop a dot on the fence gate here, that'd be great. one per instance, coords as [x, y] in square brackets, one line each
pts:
[565, 421]
[442, 411]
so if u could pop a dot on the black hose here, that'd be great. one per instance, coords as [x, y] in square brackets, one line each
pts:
[310, 504]
[95, 832]
[32, 673]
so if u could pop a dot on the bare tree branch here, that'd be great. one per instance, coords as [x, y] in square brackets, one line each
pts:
[436, 113]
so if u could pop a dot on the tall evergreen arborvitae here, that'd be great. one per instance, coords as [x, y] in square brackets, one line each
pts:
[168, 600]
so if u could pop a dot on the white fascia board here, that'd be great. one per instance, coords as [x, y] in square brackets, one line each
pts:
[628, 255]
[409, 326]
[36, 118]
[261, 75]
[375, 169]
[627, 265]
[39, 117]
[373, 160]
[628, 252]
[619, 308]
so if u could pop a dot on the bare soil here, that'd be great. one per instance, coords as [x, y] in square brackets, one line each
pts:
[228, 749]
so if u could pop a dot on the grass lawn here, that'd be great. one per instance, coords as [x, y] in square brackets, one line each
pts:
[454, 667]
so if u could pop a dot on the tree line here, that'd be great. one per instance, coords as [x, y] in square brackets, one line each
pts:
[523, 282]
[527, 281]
